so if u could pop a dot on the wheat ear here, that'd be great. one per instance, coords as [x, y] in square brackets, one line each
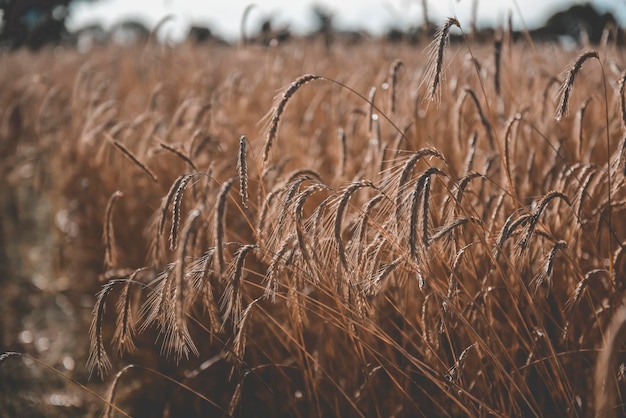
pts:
[160, 223]
[242, 171]
[179, 154]
[110, 255]
[393, 74]
[422, 182]
[568, 84]
[231, 299]
[507, 149]
[578, 295]
[219, 224]
[497, 52]
[434, 71]
[406, 173]
[125, 324]
[280, 108]
[133, 158]
[341, 207]
[179, 298]
[534, 219]
[98, 358]
[176, 203]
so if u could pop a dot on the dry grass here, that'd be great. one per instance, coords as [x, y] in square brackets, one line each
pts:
[462, 265]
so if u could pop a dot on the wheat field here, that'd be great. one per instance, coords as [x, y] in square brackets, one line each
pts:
[311, 230]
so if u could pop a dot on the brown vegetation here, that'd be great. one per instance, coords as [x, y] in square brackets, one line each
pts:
[357, 255]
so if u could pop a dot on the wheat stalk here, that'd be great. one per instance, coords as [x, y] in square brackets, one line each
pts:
[179, 154]
[497, 54]
[393, 75]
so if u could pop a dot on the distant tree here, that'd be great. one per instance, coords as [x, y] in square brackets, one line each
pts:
[34, 23]
[324, 19]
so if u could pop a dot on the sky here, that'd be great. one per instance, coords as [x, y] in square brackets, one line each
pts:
[375, 16]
